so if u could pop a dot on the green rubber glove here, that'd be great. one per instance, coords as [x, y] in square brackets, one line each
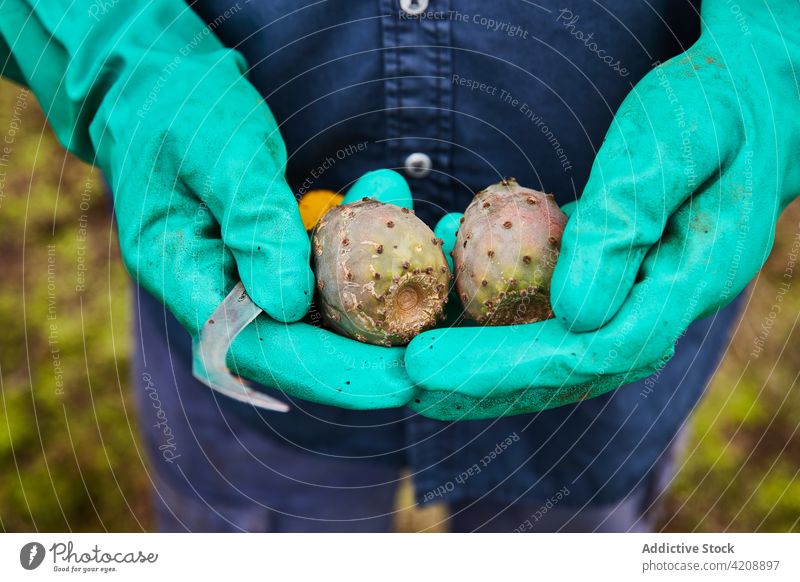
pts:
[678, 215]
[193, 155]
[196, 163]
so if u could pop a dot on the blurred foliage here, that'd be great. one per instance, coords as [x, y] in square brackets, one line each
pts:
[741, 468]
[68, 444]
[69, 449]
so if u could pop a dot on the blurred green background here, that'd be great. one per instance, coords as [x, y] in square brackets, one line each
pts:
[69, 451]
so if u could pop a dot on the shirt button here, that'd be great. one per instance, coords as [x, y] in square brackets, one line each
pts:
[414, 7]
[418, 165]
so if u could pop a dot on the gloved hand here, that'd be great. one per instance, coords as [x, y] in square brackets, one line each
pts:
[306, 361]
[196, 163]
[678, 215]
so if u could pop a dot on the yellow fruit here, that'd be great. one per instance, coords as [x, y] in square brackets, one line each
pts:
[314, 204]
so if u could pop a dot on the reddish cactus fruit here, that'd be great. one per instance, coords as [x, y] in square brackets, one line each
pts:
[505, 253]
[381, 275]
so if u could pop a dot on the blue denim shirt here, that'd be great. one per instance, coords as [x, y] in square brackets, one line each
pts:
[485, 90]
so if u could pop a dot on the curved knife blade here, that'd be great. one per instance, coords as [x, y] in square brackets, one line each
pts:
[210, 350]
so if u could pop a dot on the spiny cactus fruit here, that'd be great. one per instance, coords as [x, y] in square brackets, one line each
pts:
[505, 252]
[382, 277]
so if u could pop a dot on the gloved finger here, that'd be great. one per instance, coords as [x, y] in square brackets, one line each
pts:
[245, 190]
[544, 359]
[655, 155]
[171, 246]
[569, 208]
[451, 406]
[447, 229]
[714, 244]
[321, 366]
[272, 254]
[382, 185]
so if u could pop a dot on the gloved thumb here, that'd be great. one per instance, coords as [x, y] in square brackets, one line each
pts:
[640, 177]
[382, 185]
[272, 254]
[260, 223]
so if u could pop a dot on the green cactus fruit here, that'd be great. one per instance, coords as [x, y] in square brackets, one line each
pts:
[505, 252]
[382, 277]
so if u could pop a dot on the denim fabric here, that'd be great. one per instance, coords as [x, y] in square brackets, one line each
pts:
[486, 90]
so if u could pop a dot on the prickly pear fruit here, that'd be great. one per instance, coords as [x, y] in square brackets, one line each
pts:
[381, 274]
[505, 252]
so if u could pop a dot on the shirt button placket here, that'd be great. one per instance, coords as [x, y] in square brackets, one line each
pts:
[418, 89]
[417, 65]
